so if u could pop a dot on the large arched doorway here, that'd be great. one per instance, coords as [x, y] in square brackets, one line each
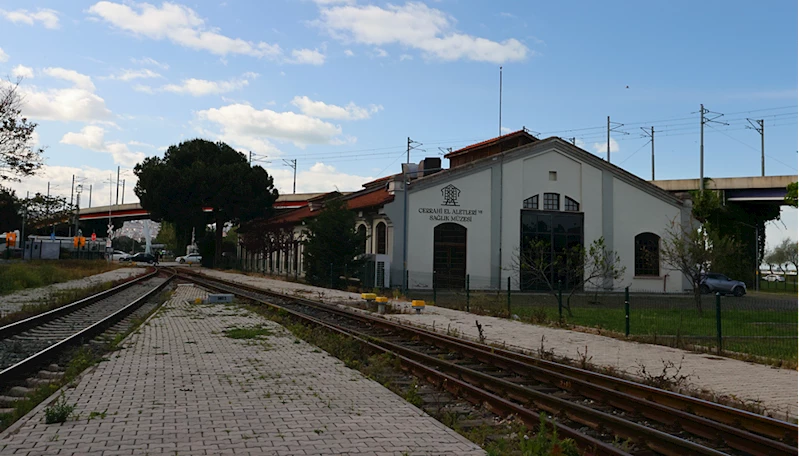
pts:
[449, 256]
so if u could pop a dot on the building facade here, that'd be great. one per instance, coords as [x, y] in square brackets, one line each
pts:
[472, 222]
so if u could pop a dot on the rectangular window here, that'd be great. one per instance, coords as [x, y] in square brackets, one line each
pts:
[557, 233]
[553, 175]
[551, 202]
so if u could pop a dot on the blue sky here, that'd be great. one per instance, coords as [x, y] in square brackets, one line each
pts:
[340, 85]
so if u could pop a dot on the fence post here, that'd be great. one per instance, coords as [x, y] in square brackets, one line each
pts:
[434, 288]
[509, 314]
[718, 322]
[627, 312]
[560, 300]
[467, 293]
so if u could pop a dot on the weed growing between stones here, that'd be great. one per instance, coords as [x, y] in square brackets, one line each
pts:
[59, 411]
[253, 332]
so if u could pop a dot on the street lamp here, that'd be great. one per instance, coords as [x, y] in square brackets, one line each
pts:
[757, 253]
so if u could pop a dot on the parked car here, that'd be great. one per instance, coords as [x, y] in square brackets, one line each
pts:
[118, 255]
[713, 282]
[191, 258]
[140, 258]
[774, 278]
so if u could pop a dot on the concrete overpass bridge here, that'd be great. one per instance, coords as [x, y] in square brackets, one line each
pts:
[760, 189]
[120, 213]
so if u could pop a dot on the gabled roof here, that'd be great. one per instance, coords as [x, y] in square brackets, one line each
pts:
[362, 200]
[544, 145]
[490, 142]
[382, 180]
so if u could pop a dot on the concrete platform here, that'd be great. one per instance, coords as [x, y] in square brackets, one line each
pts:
[772, 388]
[14, 301]
[181, 387]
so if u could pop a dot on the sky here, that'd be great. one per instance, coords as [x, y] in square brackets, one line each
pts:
[340, 85]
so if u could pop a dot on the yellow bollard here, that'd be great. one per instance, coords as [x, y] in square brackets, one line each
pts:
[418, 304]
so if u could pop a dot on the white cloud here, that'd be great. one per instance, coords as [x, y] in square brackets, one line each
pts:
[180, 25]
[406, 57]
[309, 56]
[201, 87]
[3, 56]
[334, 2]
[81, 81]
[348, 53]
[60, 179]
[602, 148]
[415, 25]
[77, 103]
[21, 71]
[147, 61]
[93, 138]
[241, 122]
[129, 75]
[318, 178]
[48, 17]
[379, 52]
[328, 111]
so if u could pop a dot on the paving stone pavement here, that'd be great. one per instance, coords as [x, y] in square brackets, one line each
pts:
[14, 301]
[181, 387]
[772, 388]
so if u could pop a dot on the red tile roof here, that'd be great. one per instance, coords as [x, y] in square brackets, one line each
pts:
[294, 216]
[371, 199]
[488, 142]
[377, 181]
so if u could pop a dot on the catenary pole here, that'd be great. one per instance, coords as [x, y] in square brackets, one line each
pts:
[701, 147]
[500, 101]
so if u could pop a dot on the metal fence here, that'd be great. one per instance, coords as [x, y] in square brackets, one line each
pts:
[761, 326]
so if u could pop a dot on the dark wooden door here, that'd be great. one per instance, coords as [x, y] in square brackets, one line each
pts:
[449, 256]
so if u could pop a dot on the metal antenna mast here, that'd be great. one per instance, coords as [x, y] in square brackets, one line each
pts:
[704, 120]
[651, 135]
[500, 101]
[758, 126]
[292, 164]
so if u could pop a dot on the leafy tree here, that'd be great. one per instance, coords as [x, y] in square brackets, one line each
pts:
[166, 236]
[43, 213]
[17, 157]
[575, 267]
[10, 210]
[784, 254]
[332, 244]
[199, 174]
[790, 197]
[126, 244]
[692, 250]
[774, 257]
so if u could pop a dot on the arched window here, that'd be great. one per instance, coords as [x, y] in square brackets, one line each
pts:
[571, 205]
[551, 201]
[647, 254]
[381, 238]
[531, 202]
[362, 233]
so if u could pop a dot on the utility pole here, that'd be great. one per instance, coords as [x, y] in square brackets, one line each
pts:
[24, 219]
[117, 184]
[651, 135]
[72, 191]
[612, 126]
[500, 101]
[292, 164]
[759, 127]
[250, 158]
[405, 184]
[703, 121]
[123, 191]
[90, 195]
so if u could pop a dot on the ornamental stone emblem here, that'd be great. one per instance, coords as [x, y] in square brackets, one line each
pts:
[450, 194]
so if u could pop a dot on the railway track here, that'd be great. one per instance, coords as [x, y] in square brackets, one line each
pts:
[593, 409]
[31, 343]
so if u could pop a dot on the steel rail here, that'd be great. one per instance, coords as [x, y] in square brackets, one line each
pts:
[656, 440]
[738, 428]
[17, 370]
[17, 327]
[476, 395]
